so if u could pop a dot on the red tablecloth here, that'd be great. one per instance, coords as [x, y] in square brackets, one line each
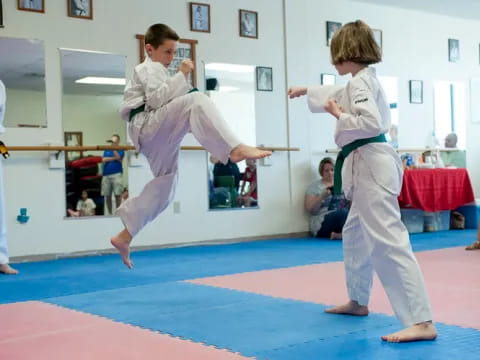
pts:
[436, 189]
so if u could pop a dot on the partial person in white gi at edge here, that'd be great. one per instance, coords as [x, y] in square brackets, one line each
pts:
[374, 237]
[5, 268]
[161, 110]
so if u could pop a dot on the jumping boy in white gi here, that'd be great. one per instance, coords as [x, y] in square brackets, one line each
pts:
[160, 111]
[374, 237]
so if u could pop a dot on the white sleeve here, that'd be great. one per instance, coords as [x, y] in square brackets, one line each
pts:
[318, 95]
[364, 119]
[161, 88]
[91, 204]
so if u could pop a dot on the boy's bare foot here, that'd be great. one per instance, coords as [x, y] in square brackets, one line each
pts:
[350, 308]
[335, 236]
[242, 152]
[474, 246]
[7, 270]
[417, 332]
[122, 243]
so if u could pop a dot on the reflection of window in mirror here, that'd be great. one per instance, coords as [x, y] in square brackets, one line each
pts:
[22, 70]
[93, 85]
[229, 85]
[390, 86]
[450, 111]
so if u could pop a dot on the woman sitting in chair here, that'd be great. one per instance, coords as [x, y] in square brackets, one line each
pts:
[327, 217]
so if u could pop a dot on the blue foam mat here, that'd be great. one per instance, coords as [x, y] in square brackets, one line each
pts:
[265, 327]
[40, 280]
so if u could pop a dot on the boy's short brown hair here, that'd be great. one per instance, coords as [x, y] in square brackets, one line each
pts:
[355, 42]
[158, 33]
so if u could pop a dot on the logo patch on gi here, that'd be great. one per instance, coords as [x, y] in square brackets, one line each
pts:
[361, 100]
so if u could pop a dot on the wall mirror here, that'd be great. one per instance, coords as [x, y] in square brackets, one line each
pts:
[22, 70]
[93, 84]
[232, 88]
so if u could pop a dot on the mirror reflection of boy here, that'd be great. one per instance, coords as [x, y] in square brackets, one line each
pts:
[160, 110]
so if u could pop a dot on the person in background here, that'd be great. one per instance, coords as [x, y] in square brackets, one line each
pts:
[324, 222]
[112, 180]
[476, 244]
[248, 196]
[454, 157]
[85, 206]
[228, 169]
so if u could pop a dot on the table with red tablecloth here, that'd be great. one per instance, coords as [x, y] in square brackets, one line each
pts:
[436, 189]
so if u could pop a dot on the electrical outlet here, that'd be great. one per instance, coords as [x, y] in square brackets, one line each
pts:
[176, 207]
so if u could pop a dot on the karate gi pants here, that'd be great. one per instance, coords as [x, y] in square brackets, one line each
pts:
[159, 139]
[375, 239]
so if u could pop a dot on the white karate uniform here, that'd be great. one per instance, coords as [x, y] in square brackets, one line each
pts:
[3, 223]
[171, 112]
[374, 237]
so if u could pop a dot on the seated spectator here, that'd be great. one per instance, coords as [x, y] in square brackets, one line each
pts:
[327, 214]
[455, 157]
[228, 169]
[248, 196]
[85, 206]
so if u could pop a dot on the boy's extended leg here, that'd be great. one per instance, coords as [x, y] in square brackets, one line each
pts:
[210, 129]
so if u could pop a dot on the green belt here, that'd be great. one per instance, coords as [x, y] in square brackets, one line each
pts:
[135, 111]
[141, 108]
[342, 155]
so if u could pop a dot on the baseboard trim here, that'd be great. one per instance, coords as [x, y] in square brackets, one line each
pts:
[77, 254]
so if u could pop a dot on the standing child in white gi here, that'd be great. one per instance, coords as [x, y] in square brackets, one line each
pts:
[161, 110]
[4, 267]
[374, 237]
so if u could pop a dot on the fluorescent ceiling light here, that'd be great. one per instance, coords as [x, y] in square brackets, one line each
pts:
[101, 80]
[230, 67]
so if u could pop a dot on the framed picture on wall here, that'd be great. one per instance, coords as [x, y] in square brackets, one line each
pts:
[377, 35]
[248, 23]
[332, 28]
[327, 79]
[264, 78]
[453, 50]
[416, 91]
[31, 5]
[82, 9]
[199, 17]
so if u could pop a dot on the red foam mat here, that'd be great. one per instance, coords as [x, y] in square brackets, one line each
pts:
[36, 330]
[452, 277]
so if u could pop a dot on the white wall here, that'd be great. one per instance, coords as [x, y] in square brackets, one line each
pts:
[415, 47]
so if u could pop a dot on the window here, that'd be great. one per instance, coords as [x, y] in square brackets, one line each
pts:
[449, 116]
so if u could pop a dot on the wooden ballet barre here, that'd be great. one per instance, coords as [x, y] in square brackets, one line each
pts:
[119, 147]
